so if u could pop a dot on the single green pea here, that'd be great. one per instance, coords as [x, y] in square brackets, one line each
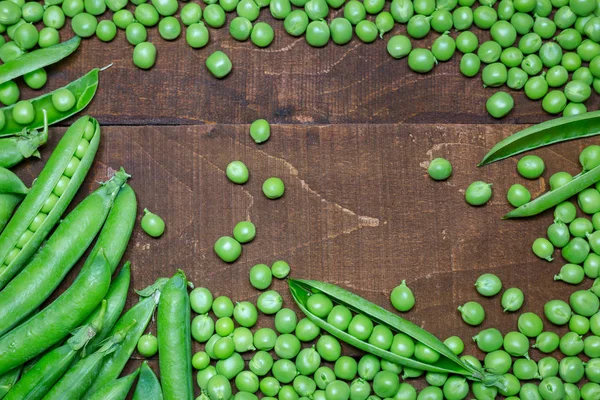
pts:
[554, 102]
[472, 313]
[588, 49]
[26, 36]
[354, 12]
[36, 79]
[532, 64]
[523, 22]
[273, 188]
[512, 299]
[23, 112]
[197, 35]
[218, 63]
[544, 27]
[262, 34]
[201, 300]
[518, 195]
[577, 91]
[260, 276]
[576, 251]
[467, 42]
[571, 344]
[489, 340]
[84, 24]
[9, 93]
[329, 348]
[439, 169]
[489, 52]
[106, 30]
[214, 15]
[244, 232]
[470, 64]
[169, 28]
[503, 33]
[436, 378]
[136, 33]
[516, 78]
[551, 54]
[95, 7]
[516, 344]
[54, 17]
[579, 324]
[569, 39]
[296, 23]
[191, 13]
[228, 5]
[525, 369]
[123, 18]
[264, 339]
[494, 75]
[237, 172]
[240, 28]
[511, 57]
[443, 48]
[498, 362]
[547, 367]
[227, 248]
[558, 312]
[418, 26]
[557, 76]
[398, 46]
[48, 37]
[63, 100]
[462, 18]
[478, 193]
[484, 17]
[280, 269]
[146, 15]
[488, 285]
[441, 20]
[543, 248]
[531, 167]
[269, 302]
[547, 342]
[317, 34]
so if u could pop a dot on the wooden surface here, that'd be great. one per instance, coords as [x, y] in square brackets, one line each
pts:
[353, 131]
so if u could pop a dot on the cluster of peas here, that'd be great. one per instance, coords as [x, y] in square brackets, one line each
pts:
[53, 198]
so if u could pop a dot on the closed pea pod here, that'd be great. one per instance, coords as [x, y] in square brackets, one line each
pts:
[50, 265]
[42, 376]
[148, 386]
[55, 321]
[174, 344]
[116, 390]
[137, 318]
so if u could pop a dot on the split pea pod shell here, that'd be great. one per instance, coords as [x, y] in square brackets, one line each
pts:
[148, 386]
[48, 370]
[15, 149]
[80, 376]
[73, 149]
[83, 89]
[174, 340]
[116, 390]
[12, 191]
[37, 59]
[140, 315]
[544, 134]
[49, 266]
[556, 196]
[54, 322]
[448, 363]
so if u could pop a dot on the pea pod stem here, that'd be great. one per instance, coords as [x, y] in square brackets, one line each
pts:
[83, 89]
[556, 196]
[148, 386]
[48, 370]
[37, 59]
[23, 145]
[544, 134]
[54, 322]
[49, 266]
[448, 363]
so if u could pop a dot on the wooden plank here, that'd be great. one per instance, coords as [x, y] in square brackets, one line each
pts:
[359, 211]
[289, 82]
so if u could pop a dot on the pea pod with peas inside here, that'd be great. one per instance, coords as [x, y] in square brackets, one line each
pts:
[37, 59]
[544, 134]
[42, 376]
[48, 197]
[116, 390]
[174, 340]
[23, 145]
[447, 362]
[54, 322]
[12, 191]
[556, 196]
[70, 99]
[8, 381]
[148, 386]
[141, 313]
[80, 376]
[48, 267]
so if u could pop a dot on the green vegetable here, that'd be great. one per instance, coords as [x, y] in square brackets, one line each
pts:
[262, 34]
[273, 188]
[116, 390]
[439, 169]
[472, 313]
[260, 131]
[402, 298]
[512, 299]
[147, 345]
[280, 269]
[55, 321]
[152, 224]
[260, 276]
[244, 232]
[37, 59]
[219, 64]
[302, 290]
[144, 55]
[12, 191]
[554, 197]
[228, 249]
[478, 193]
[148, 386]
[201, 300]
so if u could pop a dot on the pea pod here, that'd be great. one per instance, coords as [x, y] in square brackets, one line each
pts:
[556, 196]
[23, 145]
[44, 374]
[544, 134]
[148, 386]
[37, 59]
[448, 363]
[79, 377]
[174, 340]
[8, 381]
[83, 89]
[54, 322]
[142, 313]
[42, 207]
[12, 191]
[50, 265]
[116, 390]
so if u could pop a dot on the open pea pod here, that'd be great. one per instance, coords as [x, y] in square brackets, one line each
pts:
[83, 89]
[37, 59]
[549, 132]
[449, 363]
[556, 196]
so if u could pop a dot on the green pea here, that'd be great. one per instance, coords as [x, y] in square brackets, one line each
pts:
[554, 102]
[190, 14]
[494, 75]
[462, 18]
[478, 193]
[329, 348]
[95, 7]
[269, 302]
[516, 78]
[10, 13]
[218, 63]
[382, 337]
[503, 33]
[576, 251]
[273, 188]
[588, 49]
[577, 91]
[237, 171]
[518, 195]
[522, 22]
[146, 15]
[443, 48]
[280, 8]
[439, 169]
[84, 24]
[558, 312]
[525, 369]
[402, 298]
[484, 17]
[472, 313]
[571, 344]
[489, 52]
[106, 30]
[354, 12]
[36, 79]
[582, 7]
[26, 36]
[488, 285]
[480, 391]
[579, 325]
[498, 362]
[512, 299]
[123, 18]
[436, 378]
[544, 27]
[228, 5]
[421, 60]
[296, 24]
[317, 34]
[399, 46]
[169, 28]
[488, 340]
[467, 42]
[23, 112]
[262, 34]
[323, 377]
[418, 26]
[546, 342]
[136, 33]
[260, 131]
[240, 28]
[54, 17]
[264, 339]
[203, 328]
[214, 15]
[386, 384]
[441, 20]
[48, 37]
[63, 99]
[269, 386]
[201, 300]
[470, 65]
[511, 57]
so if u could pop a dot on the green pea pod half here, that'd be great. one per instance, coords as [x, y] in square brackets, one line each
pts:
[115, 303]
[83, 89]
[448, 363]
[12, 192]
[549, 132]
[78, 378]
[556, 196]
[54, 322]
[48, 197]
[116, 390]
[8, 381]
[174, 340]
[50, 265]
[141, 313]
[48, 370]
[37, 59]
[23, 145]
[148, 386]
